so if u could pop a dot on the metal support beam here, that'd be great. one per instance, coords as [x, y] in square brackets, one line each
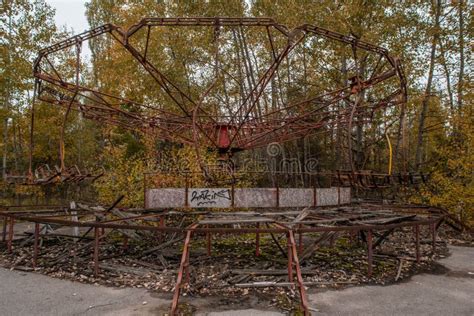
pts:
[182, 267]
[300, 242]
[299, 277]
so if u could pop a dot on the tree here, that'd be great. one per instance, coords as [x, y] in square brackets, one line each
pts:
[25, 27]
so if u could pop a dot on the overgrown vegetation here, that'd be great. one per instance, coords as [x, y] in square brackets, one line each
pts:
[433, 133]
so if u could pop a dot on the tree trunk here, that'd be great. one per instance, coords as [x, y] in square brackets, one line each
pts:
[448, 77]
[424, 109]
[400, 145]
[7, 100]
[461, 55]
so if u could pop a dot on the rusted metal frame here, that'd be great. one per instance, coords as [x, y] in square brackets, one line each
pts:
[54, 69]
[362, 45]
[450, 218]
[288, 122]
[66, 86]
[62, 135]
[276, 242]
[383, 237]
[383, 76]
[290, 258]
[110, 106]
[131, 218]
[84, 108]
[401, 76]
[84, 36]
[283, 130]
[260, 87]
[163, 82]
[96, 251]
[397, 66]
[147, 42]
[35, 208]
[123, 124]
[114, 122]
[123, 33]
[323, 62]
[38, 212]
[62, 84]
[283, 229]
[196, 125]
[374, 71]
[182, 267]
[283, 137]
[106, 28]
[367, 227]
[336, 96]
[104, 213]
[342, 38]
[32, 124]
[284, 134]
[203, 21]
[359, 96]
[159, 77]
[94, 224]
[70, 88]
[52, 216]
[143, 227]
[299, 278]
[270, 39]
